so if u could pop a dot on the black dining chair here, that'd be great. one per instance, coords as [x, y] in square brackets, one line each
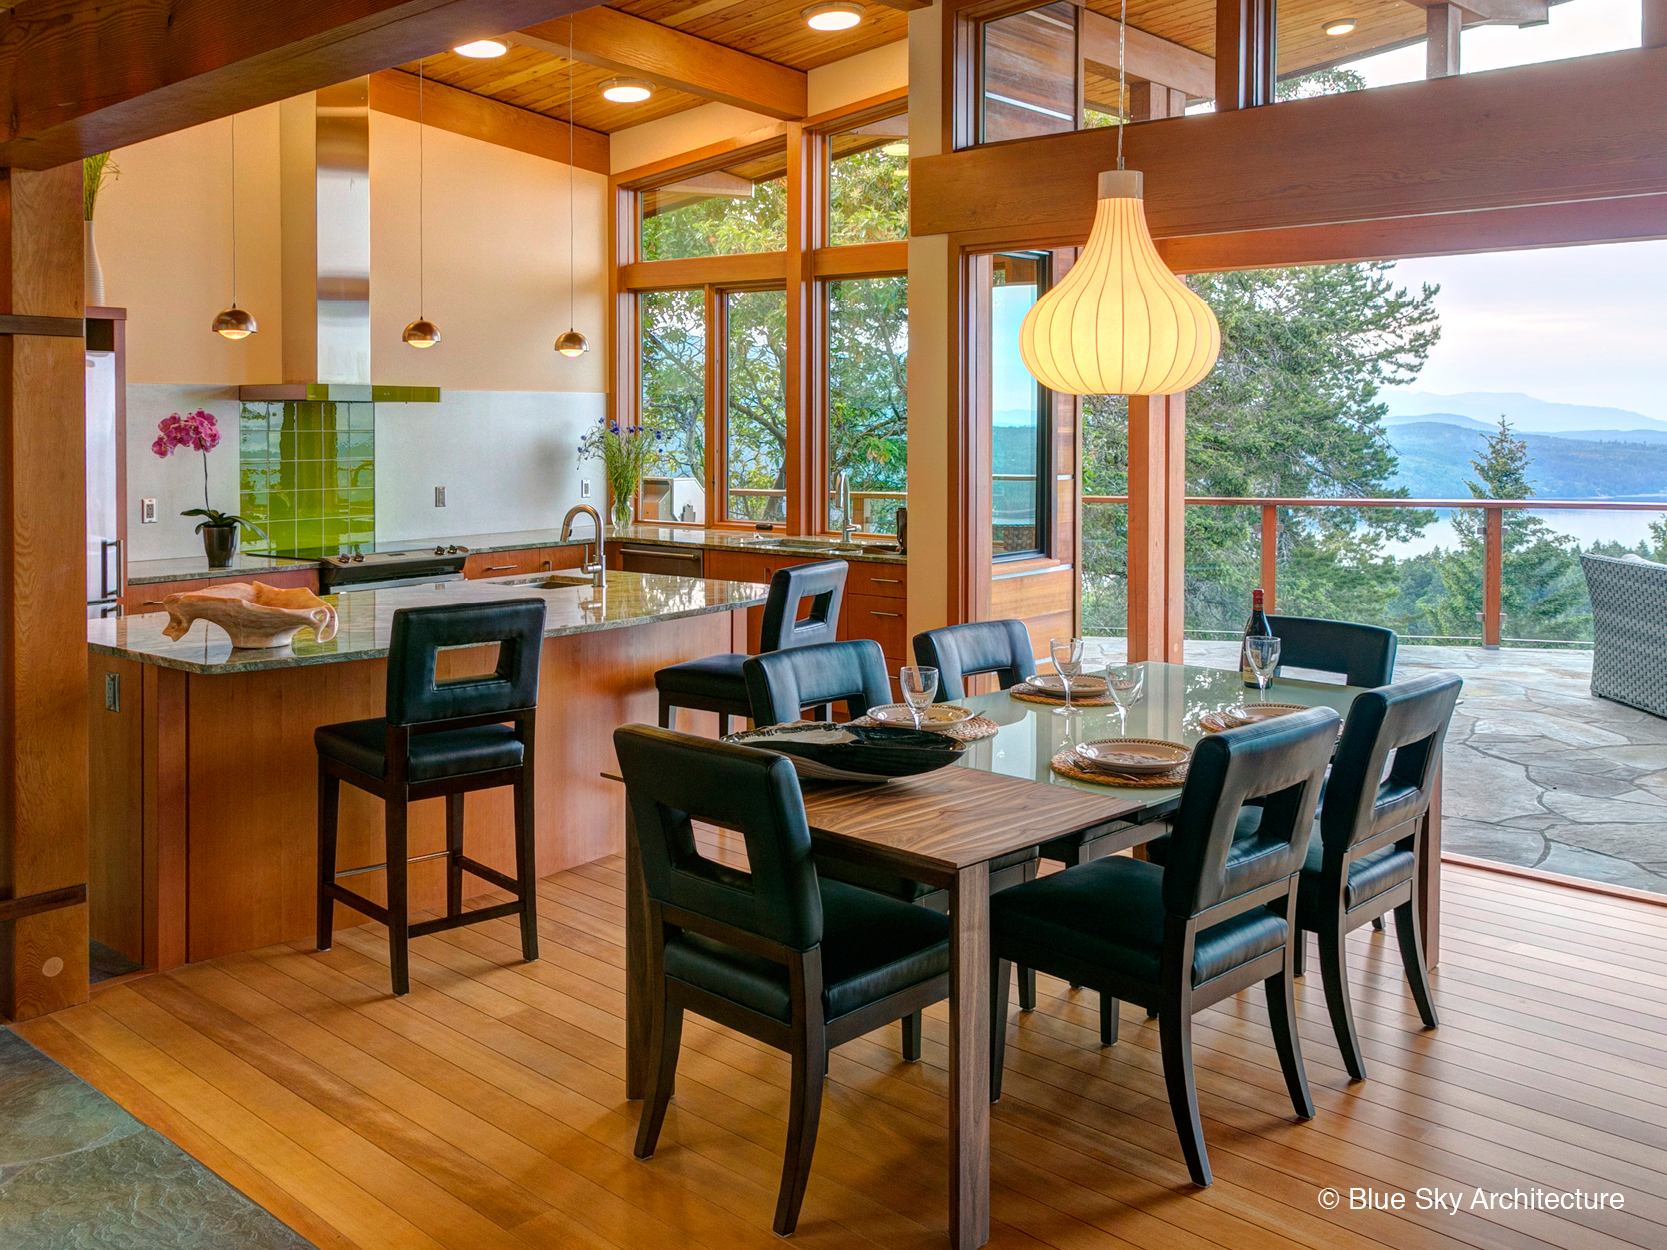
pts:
[1363, 654]
[854, 672]
[961, 651]
[1368, 855]
[1220, 916]
[715, 683]
[439, 738]
[779, 953]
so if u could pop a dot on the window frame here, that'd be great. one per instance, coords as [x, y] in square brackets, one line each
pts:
[1046, 401]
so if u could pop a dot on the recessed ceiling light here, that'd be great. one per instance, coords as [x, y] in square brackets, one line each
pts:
[626, 90]
[1340, 26]
[838, 15]
[482, 49]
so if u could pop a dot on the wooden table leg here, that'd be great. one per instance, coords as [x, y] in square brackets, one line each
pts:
[1428, 886]
[969, 1058]
[637, 1016]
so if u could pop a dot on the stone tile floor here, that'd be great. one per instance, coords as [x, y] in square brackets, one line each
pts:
[1540, 773]
[78, 1173]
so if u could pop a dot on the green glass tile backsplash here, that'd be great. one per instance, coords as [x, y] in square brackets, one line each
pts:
[309, 473]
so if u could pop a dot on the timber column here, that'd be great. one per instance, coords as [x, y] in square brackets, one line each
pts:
[43, 616]
[1157, 526]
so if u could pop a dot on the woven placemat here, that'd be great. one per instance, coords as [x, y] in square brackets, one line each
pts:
[970, 730]
[1030, 694]
[1067, 764]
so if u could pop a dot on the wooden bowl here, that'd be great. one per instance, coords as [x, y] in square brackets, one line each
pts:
[257, 616]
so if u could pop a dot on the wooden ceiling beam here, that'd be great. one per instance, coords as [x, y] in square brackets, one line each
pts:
[1147, 57]
[611, 40]
[1497, 12]
[905, 6]
[394, 91]
[1450, 145]
[81, 78]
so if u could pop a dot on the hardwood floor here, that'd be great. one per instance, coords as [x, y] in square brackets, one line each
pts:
[486, 1109]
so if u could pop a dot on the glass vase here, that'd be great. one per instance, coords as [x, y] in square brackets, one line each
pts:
[622, 510]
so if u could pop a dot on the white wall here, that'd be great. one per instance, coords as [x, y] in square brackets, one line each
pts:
[176, 483]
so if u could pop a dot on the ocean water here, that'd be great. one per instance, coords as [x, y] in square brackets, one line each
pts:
[1629, 528]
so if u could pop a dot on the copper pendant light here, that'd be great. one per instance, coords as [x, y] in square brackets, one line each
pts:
[234, 323]
[422, 332]
[572, 343]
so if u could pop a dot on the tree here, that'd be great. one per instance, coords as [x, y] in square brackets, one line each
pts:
[1543, 593]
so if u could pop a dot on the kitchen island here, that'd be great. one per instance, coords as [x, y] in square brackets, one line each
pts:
[204, 778]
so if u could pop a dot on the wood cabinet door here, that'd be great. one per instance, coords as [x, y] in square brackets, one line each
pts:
[880, 618]
[565, 557]
[503, 563]
[890, 581]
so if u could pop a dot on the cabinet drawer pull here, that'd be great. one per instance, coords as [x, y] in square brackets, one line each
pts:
[890, 581]
[499, 568]
[874, 613]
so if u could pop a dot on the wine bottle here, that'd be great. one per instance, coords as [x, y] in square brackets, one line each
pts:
[1256, 627]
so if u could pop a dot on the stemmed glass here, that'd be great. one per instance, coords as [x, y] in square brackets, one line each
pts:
[1263, 653]
[1067, 662]
[919, 686]
[1125, 681]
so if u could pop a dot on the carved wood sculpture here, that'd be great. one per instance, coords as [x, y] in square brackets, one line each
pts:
[254, 614]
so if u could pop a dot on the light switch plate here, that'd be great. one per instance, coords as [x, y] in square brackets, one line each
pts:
[147, 512]
[584, 488]
[439, 496]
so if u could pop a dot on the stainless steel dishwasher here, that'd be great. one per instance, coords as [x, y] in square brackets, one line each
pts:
[673, 561]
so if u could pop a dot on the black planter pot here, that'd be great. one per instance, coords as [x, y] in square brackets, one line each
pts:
[220, 544]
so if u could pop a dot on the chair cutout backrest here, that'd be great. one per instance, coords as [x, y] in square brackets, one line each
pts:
[1407, 720]
[780, 684]
[1364, 654]
[961, 651]
[416, 695]
[1281, 761]
[823, 583]
[672, 779]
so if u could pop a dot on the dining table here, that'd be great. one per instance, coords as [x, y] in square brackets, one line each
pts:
[1003, 795]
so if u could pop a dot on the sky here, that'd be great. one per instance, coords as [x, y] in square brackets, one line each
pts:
[1584, 325]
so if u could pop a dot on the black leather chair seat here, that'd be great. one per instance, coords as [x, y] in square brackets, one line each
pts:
[362, 744]
[715, 677]
[872, 946]
[1110, 912]
[883, 882]
[1369, 876]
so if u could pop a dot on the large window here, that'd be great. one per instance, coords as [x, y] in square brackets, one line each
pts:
[1030, 74]
[674, 381]
[868, 183]
[1018, 410]
[868, 400]
[723, 212]
[755, 404]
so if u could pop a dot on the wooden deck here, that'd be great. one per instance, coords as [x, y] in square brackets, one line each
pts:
[487, 1110]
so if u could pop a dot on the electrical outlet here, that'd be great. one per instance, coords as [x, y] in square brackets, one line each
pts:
[439, 496]
[584, 488]
[147, 512]
[112, 692]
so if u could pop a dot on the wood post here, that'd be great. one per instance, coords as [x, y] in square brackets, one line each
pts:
[1442, 24]
[1157, 526]
[1493, 575]
[1245, 38]
[806, 475]
[43, 628]
[1270, 557]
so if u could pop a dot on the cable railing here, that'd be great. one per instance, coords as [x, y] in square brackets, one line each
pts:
[1492, 617]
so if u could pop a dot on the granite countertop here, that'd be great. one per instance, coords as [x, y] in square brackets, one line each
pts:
[366, 619]
[195, 568]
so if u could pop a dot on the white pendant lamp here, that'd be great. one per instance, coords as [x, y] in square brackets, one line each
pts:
[234, 323]
[1120, 323]
[572, 344]
[422, 332]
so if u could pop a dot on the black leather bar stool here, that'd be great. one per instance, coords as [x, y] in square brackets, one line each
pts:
[1363, 654]
[715, 684]
[440, 738]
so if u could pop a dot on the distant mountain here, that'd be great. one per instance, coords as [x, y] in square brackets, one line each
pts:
[1435, 461]
[1524, 412]
[1443, 418]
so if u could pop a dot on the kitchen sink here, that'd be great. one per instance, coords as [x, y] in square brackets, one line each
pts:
[546, 581]
[821, 546]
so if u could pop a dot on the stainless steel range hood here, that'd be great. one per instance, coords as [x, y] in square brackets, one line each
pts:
[324, 189]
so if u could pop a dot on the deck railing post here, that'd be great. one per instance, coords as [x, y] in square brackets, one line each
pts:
[1270, 556]
[1493, 575]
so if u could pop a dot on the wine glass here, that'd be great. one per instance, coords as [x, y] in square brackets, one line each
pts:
[1125, 681]
[1067, 662]
[1263, 653]
[919, 686]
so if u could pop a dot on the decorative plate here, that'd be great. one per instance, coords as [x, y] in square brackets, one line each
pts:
[1083, 684]
[934, 716]
[1134, 757]
[824, 751]
[1250, 713]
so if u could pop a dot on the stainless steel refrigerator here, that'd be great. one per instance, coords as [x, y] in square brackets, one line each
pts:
[104, 546]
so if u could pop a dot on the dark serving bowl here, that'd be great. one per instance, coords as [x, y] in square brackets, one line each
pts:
[825, 751]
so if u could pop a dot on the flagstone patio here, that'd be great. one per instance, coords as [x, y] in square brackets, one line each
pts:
[1540, 773]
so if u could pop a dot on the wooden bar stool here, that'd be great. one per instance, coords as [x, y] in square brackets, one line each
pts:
[439, 739]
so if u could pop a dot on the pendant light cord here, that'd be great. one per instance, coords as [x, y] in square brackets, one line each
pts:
[234, 210]
[422, 311]
[1122, 84]
[571, 225]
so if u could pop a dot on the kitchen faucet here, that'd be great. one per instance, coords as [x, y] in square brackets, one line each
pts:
[845, 508]
[599, 571]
